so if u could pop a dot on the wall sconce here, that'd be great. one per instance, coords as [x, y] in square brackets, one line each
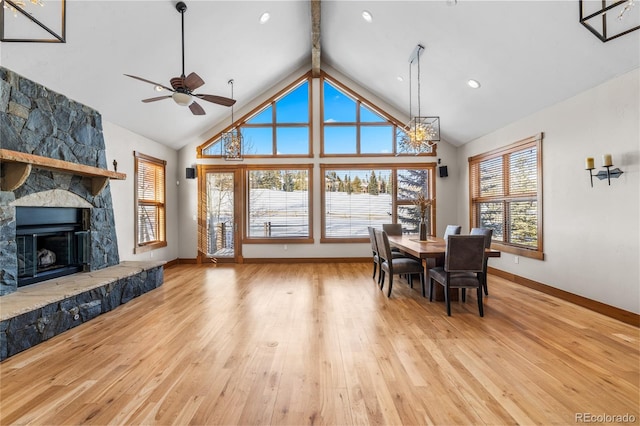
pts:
[607, 162]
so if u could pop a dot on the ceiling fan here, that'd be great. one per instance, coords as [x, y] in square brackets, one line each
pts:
[183, 87]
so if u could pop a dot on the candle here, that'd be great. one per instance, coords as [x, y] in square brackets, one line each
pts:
[606, 160]
[589, 163]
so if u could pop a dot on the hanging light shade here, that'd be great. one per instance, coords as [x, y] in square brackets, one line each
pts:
[232, 141]
[421, 133]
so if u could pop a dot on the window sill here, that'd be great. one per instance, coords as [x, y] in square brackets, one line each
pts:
[148, 247]
[519, 251]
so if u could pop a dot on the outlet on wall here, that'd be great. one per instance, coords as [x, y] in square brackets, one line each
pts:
[516, 259]
[285, 246]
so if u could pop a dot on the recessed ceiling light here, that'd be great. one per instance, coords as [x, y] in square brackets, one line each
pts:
[400, 79]
[159, 88]
[265, 17]
[474, 84]
[367, 16]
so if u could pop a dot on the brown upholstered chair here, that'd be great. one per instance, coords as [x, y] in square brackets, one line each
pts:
[452, 230]
[488, 234]
[463, 263]
[391, 265]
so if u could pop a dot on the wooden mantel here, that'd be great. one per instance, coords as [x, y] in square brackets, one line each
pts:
[16, 167]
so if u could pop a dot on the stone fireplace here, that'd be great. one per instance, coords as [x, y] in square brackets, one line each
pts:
[37, 121]
[56, 218]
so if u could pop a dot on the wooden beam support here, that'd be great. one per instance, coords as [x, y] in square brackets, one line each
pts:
[14, 175]
[315, 38]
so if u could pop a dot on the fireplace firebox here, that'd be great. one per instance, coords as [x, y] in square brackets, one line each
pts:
[51, 242]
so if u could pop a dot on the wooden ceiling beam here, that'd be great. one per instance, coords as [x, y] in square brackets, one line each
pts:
[315, 38]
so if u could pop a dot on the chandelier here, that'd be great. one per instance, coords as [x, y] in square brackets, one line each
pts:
[15, 4]
[232, 140]
[609, 20]
[421, 133]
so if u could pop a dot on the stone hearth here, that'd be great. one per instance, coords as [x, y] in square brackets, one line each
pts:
[38, 312]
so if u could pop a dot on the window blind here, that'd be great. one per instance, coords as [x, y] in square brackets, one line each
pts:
[150, 200]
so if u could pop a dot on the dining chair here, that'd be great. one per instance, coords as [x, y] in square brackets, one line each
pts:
[488, 234]
[392, 265]
[452, 230]
[463, 263]
[374, 250]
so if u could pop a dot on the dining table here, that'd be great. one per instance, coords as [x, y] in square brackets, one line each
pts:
[431, 252]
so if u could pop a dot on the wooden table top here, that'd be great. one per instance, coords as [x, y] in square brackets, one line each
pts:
[433, 247]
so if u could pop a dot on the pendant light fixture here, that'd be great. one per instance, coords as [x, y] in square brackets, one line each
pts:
[232, 140]
[421, 133]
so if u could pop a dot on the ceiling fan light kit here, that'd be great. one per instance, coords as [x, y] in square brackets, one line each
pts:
[182, 99]
[182, 87]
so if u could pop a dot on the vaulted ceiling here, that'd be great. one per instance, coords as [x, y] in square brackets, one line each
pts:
[527, 55]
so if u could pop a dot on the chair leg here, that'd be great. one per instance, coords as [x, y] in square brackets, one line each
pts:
[430, 289]
[375, 269]
[410, 278]
[424, 294]
[446, 299]
[381, 278]
[480, 307]
[390, 284]
[464, 295]
[484, 284]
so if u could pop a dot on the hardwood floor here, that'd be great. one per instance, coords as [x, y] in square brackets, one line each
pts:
[321, 344]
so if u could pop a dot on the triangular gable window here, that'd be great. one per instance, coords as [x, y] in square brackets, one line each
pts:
[279, 127]
[352, 126]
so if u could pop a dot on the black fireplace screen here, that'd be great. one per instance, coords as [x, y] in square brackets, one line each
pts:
[51, 242]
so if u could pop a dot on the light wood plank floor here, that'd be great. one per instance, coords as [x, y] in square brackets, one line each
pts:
[321, 344]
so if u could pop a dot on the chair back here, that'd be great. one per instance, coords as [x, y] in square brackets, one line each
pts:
[487, 232]
[372, 239]
[452, 230]
[384, 249]
[392, 228]
[465, 253]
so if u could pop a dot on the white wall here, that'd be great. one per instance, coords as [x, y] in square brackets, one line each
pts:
[445, 187]
[591, 235]
[120, 144]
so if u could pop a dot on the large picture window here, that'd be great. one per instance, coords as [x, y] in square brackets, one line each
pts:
[355, 197]
[279, 203]
[149, 202]
[506, 196]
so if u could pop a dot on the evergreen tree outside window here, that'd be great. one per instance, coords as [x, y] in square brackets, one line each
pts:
[506, 196]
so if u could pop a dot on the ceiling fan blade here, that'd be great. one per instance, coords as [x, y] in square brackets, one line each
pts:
[193, 81]
[196, 109]
[177, 83]
[159, 98]
[220, 100]
[150, 82]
